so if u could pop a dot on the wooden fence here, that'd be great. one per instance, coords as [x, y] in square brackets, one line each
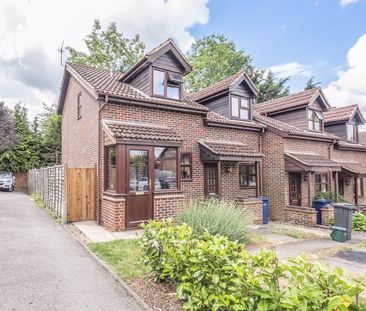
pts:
[68, 192]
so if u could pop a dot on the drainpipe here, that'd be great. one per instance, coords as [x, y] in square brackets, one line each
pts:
[99, 158]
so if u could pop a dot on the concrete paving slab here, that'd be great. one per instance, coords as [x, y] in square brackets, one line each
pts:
[94, 232]
[128, 234]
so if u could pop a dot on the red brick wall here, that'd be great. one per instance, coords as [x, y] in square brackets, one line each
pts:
[112, 214]
[299, 215]
[167, 205]
[274, 175]
[21, 181]
[327, 215]
[253, 209]
[79, 137]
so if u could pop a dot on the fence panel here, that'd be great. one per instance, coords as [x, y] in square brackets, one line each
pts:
[68, 192]
[80, 194]
[48, 184]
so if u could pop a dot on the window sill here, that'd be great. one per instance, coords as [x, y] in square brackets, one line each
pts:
[188, 179]
[168, 191]
[249, 187]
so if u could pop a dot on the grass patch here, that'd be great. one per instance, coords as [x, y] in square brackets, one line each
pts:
[294, 233]
[123, 256]
[39, 202]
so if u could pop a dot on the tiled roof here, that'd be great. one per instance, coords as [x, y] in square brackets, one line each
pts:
[292, 130]
[229, 148]
[217, 118]
[140, 131]
[286, 102]
[313, 160]
[353, 167]
[344, 113]
[221, 86]
[105, 82]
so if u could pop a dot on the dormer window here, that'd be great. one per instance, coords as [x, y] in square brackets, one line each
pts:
[167, 83]
[239, 107]
[315, 120]
[351, 133]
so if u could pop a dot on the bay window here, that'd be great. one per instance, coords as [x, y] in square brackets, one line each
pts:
[165, 168]
[111, 177]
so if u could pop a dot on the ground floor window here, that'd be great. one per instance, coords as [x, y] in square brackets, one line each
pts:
[186, 166]
[165, 164]
[111, 169]
[247, 175]
[360, 186]
[321, 182]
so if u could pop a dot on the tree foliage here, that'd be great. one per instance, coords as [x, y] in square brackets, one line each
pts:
[108, 49]
[215, 57]
[35, 144]
[8, 137]
[311, 84]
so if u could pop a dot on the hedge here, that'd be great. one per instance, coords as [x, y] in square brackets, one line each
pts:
[213, 273]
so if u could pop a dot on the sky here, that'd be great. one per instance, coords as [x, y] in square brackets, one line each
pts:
[303, 38]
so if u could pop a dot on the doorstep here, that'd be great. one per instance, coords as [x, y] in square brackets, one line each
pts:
[96, 233]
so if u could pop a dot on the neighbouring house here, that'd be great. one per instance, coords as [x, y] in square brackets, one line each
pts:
[305, 154]
[154, 146]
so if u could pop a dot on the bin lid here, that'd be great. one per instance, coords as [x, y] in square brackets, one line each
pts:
[345, 206]
[339, 229]
[321, 201]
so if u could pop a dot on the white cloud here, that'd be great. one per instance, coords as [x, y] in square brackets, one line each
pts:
[31, 31]
[350, 86]
[290, 69]
[347, 2]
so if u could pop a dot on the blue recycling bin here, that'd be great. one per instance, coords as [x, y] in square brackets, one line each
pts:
[265, 204]
[318, 204]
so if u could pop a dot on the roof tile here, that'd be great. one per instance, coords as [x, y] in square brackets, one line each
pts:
[140, 131]
[335, 114]
[106, 82]
[286, 102]
[229, 148]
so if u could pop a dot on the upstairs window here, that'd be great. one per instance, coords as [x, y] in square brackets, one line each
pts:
[315, 120]
[167, 83]
[239, 108]
[78, 108]
[351, 133]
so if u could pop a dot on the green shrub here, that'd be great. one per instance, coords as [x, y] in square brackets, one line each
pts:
[359, 222]
[217, 217]
[330, 196]
[214, 273]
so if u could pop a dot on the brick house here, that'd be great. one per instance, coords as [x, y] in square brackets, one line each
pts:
[154, 146]
[307, 150]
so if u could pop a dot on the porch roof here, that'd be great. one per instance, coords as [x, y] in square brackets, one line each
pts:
[309, 162]
[354, 169]
[227, 151]
[135, 132]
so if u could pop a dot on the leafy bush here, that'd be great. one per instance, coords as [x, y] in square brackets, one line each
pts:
[214, 273]
[217, 217]
[330, 196]
[359, 222]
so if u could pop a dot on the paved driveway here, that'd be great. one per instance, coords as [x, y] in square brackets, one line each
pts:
[43, 268]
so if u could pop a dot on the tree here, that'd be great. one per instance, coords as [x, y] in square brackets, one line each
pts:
[311, 84]
[8, 136]
[22, 157]
[51, 136]
[215, 58]
[108, 49]
[271, 87]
